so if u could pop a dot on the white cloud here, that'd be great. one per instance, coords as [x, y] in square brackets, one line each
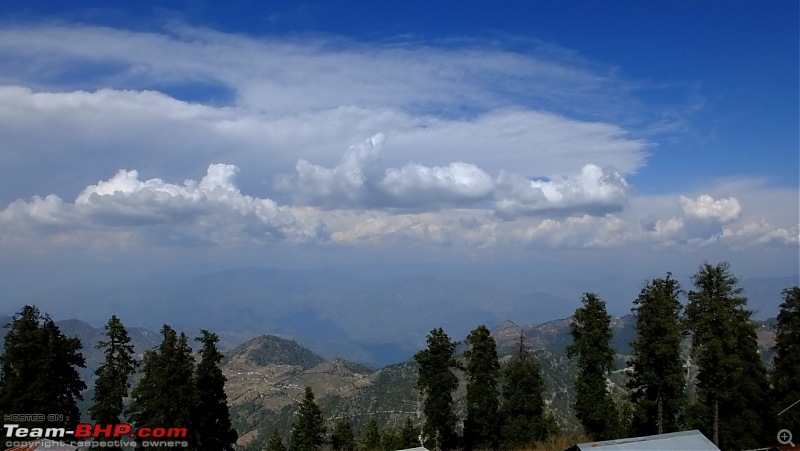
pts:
[297, 75]
[594, 190]
[452, 183]
[290, 99]
[358, 182]
[705, 207]
[82, 134]
[476, 134]
[212, 210]
[759, 234]
[468, 229]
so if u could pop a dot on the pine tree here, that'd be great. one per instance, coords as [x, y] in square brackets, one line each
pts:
[38, 370]
[390, 439]
[111, 386]
[409, 435]
[731, 384]
[60, 382]
[524, 418]
[591, 335]
[308, 429]
[786, 368]
[212, 422]
[482, 426]
[165, 395]
[658, 381]
[276, 442]
[342, 437]
[437, 382]
[371, 436]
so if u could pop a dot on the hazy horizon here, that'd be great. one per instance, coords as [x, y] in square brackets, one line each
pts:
[544, 147]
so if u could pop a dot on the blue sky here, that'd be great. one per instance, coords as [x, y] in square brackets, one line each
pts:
[623, 138]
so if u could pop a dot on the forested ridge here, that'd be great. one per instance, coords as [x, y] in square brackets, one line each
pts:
[469, 395]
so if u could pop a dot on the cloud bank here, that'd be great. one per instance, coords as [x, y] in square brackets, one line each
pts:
[357, 181]
[484, 147]
[356, 203]
[211, 211]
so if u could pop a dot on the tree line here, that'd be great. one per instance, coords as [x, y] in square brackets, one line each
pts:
[176, 389]
[734, 400]
[309, 432]
[520, 419]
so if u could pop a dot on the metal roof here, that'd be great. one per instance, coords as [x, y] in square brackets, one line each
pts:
[676, 441]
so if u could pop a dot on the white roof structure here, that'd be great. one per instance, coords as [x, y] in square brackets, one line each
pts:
[676, 441]
[419, 448]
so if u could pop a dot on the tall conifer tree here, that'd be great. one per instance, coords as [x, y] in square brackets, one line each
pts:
[409, 435]
[591, 335]
[523, 415]
[166, 395]
[482, 426]
[658, 380]
[371, 436]
[212, 421]
[38, 370]
[342, 436]
[786, 369]
[112, 384]
[308, 429]
[731, 383]
[276, 442]
[437, 382]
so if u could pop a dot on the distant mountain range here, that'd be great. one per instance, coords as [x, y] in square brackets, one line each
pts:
[267, 374]
[372, 320]
[366, 319]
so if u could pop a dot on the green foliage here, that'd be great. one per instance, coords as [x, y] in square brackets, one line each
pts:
[482, 425]
[112, 383]
[212, 420]
[276, 442]
[390, 439]
[409, 435]
[342, 437]
[437, 382]
[732, 384]
[786, 368]
[166, 395]
[38, 369]
[371, 436]
[524, 419]
[657, 381]
[591, 334]
[308, 430]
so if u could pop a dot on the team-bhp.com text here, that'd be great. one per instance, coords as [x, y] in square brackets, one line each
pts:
[89, 431]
